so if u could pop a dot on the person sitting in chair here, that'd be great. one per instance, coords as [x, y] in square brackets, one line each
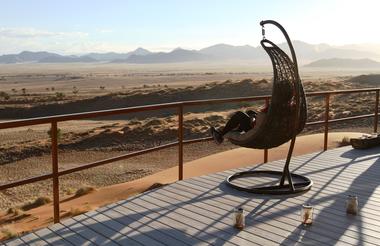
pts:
[240, 121]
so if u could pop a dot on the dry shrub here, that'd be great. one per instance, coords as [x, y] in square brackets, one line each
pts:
[84, 190]
[155, 186]
[11, 210]
[7, 233]
[37, 203]
[344, 142]
[14, 211]
[78, 211]
[70, 191]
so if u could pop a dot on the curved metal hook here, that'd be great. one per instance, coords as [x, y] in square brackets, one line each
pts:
[282, 29]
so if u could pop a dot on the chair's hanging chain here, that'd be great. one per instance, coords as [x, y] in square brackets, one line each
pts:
[263, 31]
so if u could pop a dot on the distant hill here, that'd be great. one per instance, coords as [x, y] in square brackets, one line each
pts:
[7, 59]
[345, 63]
[66, 59]
[26, 56]
[226, 51]
[369, 79]
[305, 51]
[218, 52]
[43, 57]
[177, 55]
[110, 56]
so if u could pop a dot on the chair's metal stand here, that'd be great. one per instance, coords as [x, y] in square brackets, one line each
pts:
[286, 173]
[281, 188]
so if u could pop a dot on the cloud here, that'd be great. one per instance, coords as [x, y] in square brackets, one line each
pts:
[67, 46]
[15, 40]
[24, 33]
[102, 31]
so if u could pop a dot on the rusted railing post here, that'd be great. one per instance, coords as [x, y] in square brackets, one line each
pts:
[265, 155]
[180, 142]
[376, 119]
[54, 155]
[266, 150]
[327, 117]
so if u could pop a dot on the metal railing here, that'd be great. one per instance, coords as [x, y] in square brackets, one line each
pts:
[180, 106]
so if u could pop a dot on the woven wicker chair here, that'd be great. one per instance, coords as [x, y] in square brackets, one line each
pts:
[286, 117]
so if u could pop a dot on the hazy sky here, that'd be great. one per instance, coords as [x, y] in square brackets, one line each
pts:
[80, 26]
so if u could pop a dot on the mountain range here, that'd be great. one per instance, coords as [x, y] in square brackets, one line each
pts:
[219, 52]
[344, 63]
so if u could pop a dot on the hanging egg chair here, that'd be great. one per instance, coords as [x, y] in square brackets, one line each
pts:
[285, 118]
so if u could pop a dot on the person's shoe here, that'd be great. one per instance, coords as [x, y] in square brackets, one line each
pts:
[218, 138]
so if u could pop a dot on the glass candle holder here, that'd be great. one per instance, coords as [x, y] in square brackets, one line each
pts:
[307, 214]
[352, 204]
[238, 218]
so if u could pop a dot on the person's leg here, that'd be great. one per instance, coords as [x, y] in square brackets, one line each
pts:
[238, 120]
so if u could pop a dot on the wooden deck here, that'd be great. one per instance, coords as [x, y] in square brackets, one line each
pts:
[198, 211]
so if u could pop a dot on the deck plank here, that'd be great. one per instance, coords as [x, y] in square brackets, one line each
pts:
[198, 211]
[33, 240]
[14, 242]
[69, 235]
[276, 216]
[204, 212]
[145, 226]
[167, 226]
[106, 235]
[168, 217]
[220, 208]
[194, 218]
[86, 231]
[126, 235]
[51, 238]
